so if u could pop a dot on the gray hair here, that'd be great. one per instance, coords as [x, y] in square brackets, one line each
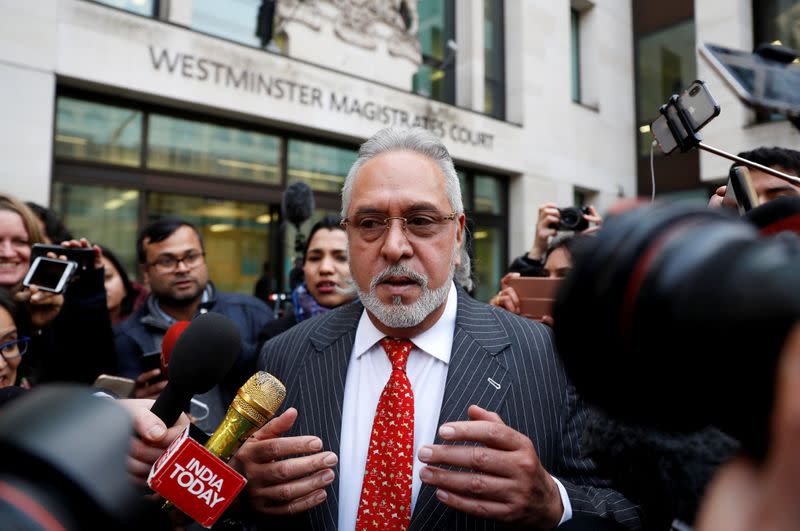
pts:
[416, 140]
[422, 141]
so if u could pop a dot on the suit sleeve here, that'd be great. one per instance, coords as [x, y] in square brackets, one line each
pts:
[589, 494]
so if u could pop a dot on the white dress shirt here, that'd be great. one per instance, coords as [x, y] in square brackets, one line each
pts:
[367, 373]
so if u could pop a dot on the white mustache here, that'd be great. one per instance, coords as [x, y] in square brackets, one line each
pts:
[398, 270]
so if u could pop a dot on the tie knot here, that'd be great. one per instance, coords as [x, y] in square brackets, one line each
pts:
[397, 349]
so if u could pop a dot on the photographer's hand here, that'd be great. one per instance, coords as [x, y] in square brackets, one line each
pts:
[594, 219]
[715, 201]
[549, 218]
[83, 243]
[745, 495]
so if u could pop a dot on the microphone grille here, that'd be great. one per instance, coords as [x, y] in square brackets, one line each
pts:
[260, 397]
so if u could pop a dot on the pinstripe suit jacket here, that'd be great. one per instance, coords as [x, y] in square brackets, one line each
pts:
[517, 354]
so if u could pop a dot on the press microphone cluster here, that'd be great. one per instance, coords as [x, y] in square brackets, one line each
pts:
[195, 478]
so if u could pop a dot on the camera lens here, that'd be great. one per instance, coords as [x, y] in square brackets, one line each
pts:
[572, 219]
[678, 297]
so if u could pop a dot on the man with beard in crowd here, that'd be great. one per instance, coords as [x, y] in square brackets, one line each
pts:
[172, 257]
[418, 407]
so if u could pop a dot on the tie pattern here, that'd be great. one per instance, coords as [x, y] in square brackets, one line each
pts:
[386, 491]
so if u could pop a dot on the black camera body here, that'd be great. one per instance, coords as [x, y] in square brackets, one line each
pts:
[572, 219]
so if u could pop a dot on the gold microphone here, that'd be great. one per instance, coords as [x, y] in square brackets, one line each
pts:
[254, 404]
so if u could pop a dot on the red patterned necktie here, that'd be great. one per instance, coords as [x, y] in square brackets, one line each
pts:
[386, 491]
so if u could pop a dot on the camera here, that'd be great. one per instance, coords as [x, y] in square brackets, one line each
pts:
[689, 309]
[572, 219]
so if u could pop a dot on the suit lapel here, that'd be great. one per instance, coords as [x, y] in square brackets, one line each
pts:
[324, 373]
[477, 374]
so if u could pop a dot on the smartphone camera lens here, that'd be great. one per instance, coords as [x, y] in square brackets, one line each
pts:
[694, 91]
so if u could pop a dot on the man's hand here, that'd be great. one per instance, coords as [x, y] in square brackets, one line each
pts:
[152, 437]
[146, 387]
[507, 296]
[716, 200]
[278, 483]
[745, 495]
[507, 482]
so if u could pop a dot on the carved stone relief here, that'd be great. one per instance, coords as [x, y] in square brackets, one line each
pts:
[356, 22]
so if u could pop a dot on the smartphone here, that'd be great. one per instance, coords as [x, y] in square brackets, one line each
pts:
[699, 104]
[663, 135]
[118, 386]
[536, 295]
[150, 361]
[740, 193]
[50, 274]
[763, 83]
[84, 258]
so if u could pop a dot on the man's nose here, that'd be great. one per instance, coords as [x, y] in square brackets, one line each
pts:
[396, 244]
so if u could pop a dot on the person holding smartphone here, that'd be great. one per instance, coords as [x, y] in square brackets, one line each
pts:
[767, 187]
[71, 331]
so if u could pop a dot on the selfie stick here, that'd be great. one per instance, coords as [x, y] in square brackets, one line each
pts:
[694, 139]
[754, 165]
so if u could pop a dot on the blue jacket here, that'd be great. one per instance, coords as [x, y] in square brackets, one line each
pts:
[143, 331]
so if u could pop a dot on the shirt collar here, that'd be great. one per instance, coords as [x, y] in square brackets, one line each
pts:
[436, 341]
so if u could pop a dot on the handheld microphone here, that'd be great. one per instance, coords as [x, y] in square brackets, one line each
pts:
[195, 478]
[202, 355]
[168, 343]
[254, 404]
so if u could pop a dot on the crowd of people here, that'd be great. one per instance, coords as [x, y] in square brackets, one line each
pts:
[409, 404]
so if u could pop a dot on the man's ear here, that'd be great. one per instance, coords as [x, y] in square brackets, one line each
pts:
[145, 274]
[462, 219]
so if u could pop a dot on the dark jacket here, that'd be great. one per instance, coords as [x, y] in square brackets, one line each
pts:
[143, 331]
[275, 327]
[78, 345]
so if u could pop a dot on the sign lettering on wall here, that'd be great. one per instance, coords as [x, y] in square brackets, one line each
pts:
[206, 70]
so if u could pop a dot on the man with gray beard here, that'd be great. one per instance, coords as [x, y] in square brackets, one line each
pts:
[418, 407]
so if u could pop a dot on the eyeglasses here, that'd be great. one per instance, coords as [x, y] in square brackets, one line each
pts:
[417, 226]
[15, 348]
[166, 263]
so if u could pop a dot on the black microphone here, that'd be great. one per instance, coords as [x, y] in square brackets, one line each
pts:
[297, 203]
[202, 356]
[64, 463]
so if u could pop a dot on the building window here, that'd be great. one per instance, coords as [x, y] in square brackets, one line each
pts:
[436, 75]
[776, 20]
[485, 201]
[494, 59]
[97, 132]
[245, 21]
[575, 38]
[106, 215]
[140, 7]
[322, 167]
[194, 147]
[235, 235]
[665, 65]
